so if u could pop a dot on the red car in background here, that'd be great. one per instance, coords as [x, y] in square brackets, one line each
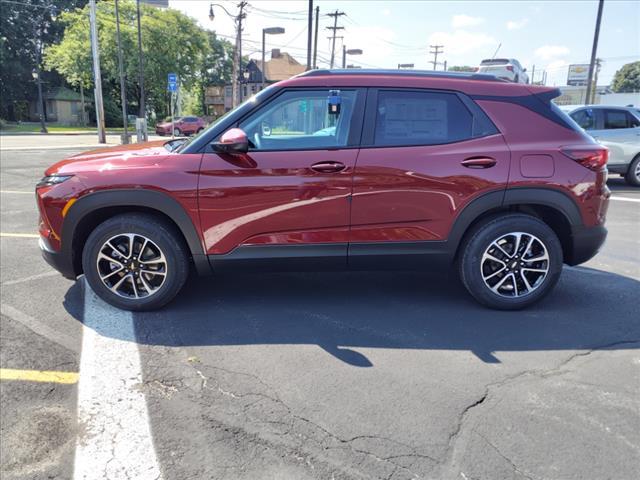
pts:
[182, 126]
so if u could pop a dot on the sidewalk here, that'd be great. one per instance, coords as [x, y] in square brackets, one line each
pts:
[58, 141]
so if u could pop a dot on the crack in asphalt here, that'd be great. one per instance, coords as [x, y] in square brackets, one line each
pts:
[507, 459]
[288, 421]
[205, 384]
[491, 388]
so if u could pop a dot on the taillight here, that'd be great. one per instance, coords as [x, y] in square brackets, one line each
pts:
[510, 68]
[593, 158]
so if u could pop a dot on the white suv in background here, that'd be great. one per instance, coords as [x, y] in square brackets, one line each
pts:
[507, 68]
[617, 128]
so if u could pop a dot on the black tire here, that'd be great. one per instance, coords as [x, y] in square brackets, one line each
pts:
[163, 237]
[478, 241]
[633, 174]
[177, 132]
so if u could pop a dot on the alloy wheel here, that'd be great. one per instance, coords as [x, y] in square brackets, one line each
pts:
[515, 264]
[131, 266]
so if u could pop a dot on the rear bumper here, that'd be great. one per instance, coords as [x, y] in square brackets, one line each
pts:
[61, 262]
[585, 243]
[620, 168]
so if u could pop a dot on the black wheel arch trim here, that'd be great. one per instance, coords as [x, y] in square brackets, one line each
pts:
[510, 197]
[151, 199]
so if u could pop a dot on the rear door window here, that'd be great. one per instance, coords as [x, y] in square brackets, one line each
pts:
[421, 118]
[614, 119]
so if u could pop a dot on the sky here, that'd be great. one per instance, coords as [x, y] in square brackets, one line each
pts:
[549, 34]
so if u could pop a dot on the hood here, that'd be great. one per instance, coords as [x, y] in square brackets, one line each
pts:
[120, 157]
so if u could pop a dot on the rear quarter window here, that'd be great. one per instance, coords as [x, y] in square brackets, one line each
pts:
[421, 118]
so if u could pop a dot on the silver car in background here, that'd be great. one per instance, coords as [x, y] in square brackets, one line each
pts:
[506, 68]
[617, 128]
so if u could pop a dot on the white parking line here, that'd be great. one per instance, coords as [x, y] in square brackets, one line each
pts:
[19, 235]
[115, 442]
[625, 199]
[18, 192]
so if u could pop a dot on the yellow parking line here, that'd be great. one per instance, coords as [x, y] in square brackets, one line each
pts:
[19, 235]
[38, 376]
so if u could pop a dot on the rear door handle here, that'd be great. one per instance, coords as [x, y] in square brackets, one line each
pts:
[478, 162]
[328, 167]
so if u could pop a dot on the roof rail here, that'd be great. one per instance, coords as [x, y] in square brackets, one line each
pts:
[403, 73]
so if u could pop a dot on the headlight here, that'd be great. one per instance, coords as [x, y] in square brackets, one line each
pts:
[52, 180]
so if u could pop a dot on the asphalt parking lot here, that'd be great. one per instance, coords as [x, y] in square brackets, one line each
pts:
[317, 376]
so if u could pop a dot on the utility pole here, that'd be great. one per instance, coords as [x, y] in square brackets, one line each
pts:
[241, 16]
[533, 75]
[309, 33]
[334, 29]
[123, 92]
[595, 81]
[97, 78]
[435, 50]
[142, 112]
[315, 41]
[594, 49]
[445, 66]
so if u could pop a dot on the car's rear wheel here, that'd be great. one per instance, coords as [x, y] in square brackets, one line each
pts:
[633, 174]
[135, 262]
[510, 261]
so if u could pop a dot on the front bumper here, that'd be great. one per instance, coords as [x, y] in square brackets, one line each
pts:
[585, 243]
[58, 260]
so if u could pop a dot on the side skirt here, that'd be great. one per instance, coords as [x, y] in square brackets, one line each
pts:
[424, 256]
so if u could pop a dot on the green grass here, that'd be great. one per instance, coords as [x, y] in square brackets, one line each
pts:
[54, 128]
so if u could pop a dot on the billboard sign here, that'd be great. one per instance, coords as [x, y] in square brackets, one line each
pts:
[578, 75]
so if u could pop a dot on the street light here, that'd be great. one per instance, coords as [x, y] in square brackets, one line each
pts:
[345, 52]
[265, 32]
[35, 73]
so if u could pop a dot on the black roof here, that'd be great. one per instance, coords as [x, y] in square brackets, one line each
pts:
[402, 73]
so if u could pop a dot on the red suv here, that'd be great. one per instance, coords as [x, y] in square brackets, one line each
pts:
[181, 126]
[340, 169]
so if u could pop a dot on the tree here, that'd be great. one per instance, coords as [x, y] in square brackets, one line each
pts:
[217, 67]
[627, 79]
[171, 41]
[25, 27]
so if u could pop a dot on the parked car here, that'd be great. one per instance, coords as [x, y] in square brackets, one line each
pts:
[506, 68]
[618, 128]
[181, 126]
[417, 170]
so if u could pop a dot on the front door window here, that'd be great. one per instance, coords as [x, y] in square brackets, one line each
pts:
[300, 120]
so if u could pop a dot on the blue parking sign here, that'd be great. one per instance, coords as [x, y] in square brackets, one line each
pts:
[172, 82]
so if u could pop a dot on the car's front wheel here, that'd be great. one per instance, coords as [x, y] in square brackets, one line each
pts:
[135, 261]
[633, 174]
[510, 261]
[177, 132]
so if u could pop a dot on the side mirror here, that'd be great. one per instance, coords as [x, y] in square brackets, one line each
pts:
[233, 140]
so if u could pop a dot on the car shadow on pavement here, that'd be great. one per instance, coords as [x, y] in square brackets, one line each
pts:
[341, 311]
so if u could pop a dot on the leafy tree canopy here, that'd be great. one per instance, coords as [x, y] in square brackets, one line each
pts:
[24, 28]
[627, 79]
[171, 41]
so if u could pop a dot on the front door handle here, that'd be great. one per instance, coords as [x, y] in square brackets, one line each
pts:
[479, 162]
[328, 167]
